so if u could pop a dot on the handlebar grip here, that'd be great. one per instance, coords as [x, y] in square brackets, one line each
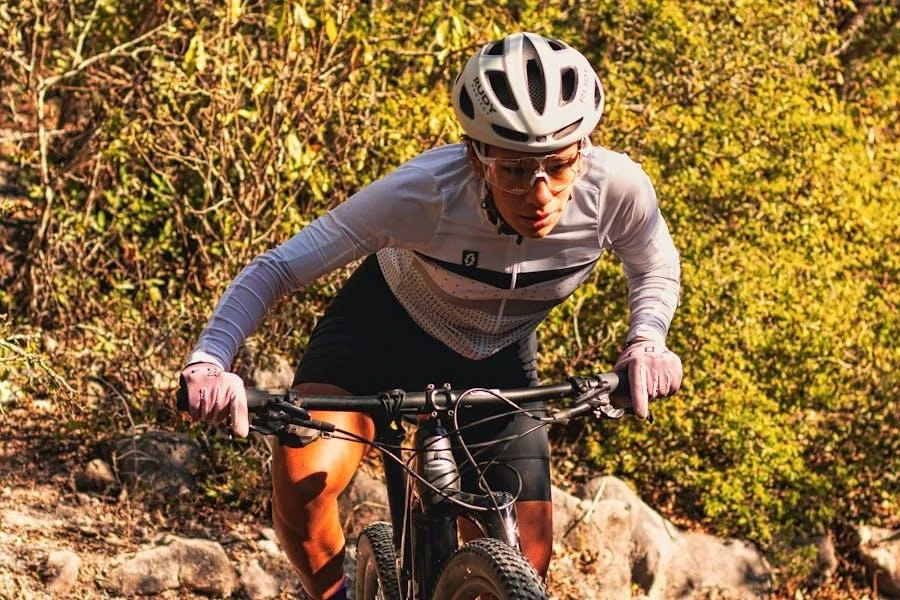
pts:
[255, 398]
[620, 387]
[181, 400]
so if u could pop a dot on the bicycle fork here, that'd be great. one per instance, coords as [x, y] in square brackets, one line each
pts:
[425, 521]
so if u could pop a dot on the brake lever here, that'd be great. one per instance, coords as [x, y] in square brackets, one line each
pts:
[291, 424]
[599, 402]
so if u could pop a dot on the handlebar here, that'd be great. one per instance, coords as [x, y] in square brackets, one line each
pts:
[606, 393]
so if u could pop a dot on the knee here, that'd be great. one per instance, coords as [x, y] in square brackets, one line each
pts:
[536, 533]
[304, 509]
[304, 491]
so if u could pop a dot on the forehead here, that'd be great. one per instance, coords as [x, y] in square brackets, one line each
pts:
[495, 152]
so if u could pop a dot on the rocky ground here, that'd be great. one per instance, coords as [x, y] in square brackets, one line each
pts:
[63, 537]
[57, 541]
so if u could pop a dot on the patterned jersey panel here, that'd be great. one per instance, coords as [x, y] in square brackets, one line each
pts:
[474, 318]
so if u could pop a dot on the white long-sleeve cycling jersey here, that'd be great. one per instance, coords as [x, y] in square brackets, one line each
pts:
[471, 288]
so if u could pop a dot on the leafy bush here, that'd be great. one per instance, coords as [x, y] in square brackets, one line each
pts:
[147, 153]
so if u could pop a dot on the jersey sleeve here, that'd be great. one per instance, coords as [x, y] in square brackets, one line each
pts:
[402, 210]
[641, 240]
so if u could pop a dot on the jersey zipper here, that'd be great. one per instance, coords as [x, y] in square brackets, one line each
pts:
[517, 247]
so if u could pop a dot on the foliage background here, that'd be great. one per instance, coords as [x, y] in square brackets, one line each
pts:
[149, 150]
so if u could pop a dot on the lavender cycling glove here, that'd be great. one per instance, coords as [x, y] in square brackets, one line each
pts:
[214, 394]
[654, 371]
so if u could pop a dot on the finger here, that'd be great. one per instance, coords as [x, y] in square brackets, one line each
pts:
[677, 377]
[194, 400]
[203, 402]
[240, 420]
[655, 387]
[220, 408]
[639, 390]
[207, 401]
[665, 384]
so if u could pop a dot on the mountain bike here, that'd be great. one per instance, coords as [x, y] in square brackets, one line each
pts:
[418, 556]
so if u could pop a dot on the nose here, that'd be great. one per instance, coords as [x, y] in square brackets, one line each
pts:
[540, 194]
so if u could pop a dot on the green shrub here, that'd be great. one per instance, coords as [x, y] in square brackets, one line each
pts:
[180, 144]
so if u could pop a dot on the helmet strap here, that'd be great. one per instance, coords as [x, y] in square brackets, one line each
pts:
[494, 216]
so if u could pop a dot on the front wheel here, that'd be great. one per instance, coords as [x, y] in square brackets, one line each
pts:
[376, 565]
[488, 569]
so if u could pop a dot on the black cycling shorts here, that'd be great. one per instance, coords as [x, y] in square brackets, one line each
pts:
[366, 343]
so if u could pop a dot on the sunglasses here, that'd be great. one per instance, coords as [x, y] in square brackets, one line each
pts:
[518, 175]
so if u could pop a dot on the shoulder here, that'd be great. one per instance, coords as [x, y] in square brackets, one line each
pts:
[432, 176]
[446, 165]
[616, 174]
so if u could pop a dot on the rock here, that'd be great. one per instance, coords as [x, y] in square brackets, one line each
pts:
[163, 460]
[14, 519]
[94, 394]
[97, 476]
[270, 547]
[879, 550]
[61, 571]
[363, 502]
[706, 566]
[205, 567]
[600, 534]
[652, 537]
[826, 560]
[621, 543]
[278, 375]
[148, 572]
[197, 565]
[257, 583]
[350, 568]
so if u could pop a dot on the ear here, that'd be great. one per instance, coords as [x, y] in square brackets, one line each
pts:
[470, 152]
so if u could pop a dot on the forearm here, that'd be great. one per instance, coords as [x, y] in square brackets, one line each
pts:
[652, 300]
[241, 309]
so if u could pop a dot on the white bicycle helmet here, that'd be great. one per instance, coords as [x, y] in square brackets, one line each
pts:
[528, 93]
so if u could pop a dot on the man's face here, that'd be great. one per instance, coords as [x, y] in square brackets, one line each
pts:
[531, 190]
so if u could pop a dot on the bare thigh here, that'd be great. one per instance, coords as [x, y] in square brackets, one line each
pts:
[305, 485]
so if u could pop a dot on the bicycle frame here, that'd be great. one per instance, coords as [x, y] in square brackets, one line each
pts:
[425, 522]
[425, 501]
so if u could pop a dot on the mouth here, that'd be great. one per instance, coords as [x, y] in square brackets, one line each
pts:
[538, 220]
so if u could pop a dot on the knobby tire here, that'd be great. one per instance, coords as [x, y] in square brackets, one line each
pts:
[488, 569]
[376, 565]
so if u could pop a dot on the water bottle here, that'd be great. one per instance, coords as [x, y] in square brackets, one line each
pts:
[436, 464]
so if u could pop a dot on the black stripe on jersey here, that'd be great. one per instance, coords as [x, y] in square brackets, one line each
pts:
[503, 280]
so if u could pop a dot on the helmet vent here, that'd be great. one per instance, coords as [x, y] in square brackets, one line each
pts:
[500, 85]
[536, 90]
[556, 45]
[598, 95]
[495, 49]
[534, 74]
[569, 85]
[567, 129]
[510, 134]
[465, 103]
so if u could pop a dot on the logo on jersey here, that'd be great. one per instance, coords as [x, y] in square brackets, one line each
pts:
[470, 258]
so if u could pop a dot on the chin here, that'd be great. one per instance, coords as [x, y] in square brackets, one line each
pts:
[533, 233]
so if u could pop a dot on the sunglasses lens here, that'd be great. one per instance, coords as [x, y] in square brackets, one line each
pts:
[517, 175]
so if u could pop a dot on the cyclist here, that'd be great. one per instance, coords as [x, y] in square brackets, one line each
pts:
[468, 247]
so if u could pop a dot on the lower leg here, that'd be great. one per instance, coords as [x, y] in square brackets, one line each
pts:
[306, 483]
[536, 532]
[535, 519]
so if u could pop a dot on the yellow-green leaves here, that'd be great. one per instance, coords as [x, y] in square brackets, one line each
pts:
[195, 58]
[770, 131]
